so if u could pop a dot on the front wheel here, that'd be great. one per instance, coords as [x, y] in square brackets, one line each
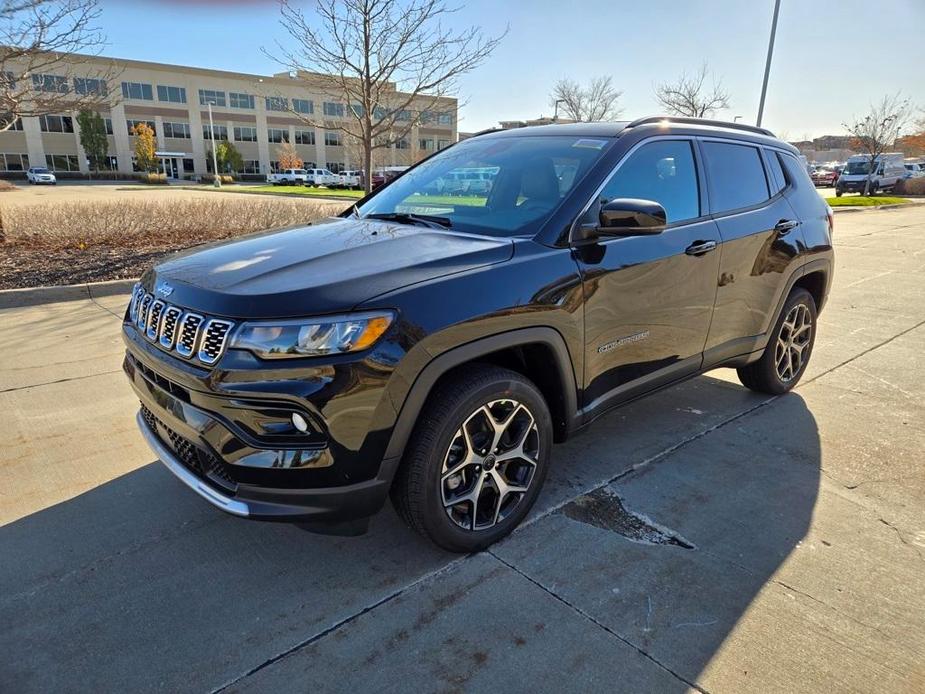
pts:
[787, 354]
[477, 459]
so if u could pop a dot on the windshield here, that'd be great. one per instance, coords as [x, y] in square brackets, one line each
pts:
[497, 186]
[857, 167]
[38, 170]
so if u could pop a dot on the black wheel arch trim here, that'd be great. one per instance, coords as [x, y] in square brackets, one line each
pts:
[472, 351]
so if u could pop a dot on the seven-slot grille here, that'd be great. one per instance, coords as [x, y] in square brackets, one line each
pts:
[173, 329]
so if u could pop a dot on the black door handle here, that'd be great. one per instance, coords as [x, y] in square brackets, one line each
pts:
[785, 225]
[700, 247]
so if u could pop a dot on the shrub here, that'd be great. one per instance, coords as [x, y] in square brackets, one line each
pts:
[6, 187]
[147, 223]
[910, 186]
[155, 178]
[210, 178]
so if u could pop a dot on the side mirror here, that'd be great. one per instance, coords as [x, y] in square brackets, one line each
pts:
[631, 217]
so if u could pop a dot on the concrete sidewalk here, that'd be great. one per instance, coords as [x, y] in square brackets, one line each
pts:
[705, 538]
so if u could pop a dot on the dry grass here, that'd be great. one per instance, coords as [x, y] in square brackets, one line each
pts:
[910, 186]
[146, 223]
[7, 186]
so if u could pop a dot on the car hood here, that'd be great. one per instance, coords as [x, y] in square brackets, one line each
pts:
[327, 267]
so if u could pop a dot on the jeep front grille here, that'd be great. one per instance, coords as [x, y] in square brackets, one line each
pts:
[184, 333]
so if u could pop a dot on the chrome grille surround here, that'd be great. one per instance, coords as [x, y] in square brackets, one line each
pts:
[214, 336]
[184, 333]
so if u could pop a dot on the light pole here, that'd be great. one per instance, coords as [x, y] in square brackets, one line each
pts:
[217, 181]
[556, 114]
[767, 65]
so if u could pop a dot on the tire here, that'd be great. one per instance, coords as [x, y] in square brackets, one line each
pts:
[438, 446]
[838, 192]
[789, 339]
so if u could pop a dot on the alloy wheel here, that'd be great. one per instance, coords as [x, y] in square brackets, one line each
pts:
[792, 342]
[490, 464]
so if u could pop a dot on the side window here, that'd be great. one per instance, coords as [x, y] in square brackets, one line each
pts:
[661, 171]
[736, 176]
[795, 171]
[779, 181]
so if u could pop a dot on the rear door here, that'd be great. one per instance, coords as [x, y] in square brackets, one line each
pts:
[648, 299]
[761, 237]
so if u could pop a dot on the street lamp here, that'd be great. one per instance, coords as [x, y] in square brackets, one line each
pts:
[767, 65]
[556, 114]
[217, 181]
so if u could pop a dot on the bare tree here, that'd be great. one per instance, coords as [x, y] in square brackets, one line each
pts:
[390, 62]
[39, 71]
[598, 101]
[877, 131]
[691, 96]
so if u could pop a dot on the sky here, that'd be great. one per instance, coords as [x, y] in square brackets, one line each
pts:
[827, 65]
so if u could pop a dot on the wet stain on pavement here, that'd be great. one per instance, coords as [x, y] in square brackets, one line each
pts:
[604, 509]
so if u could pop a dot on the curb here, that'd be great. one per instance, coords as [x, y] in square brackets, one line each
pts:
[870, 208]
[36, 296]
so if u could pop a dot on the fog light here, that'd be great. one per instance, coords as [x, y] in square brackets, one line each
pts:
[299, 422]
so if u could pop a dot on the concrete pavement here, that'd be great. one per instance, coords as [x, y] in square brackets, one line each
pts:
[705, 538]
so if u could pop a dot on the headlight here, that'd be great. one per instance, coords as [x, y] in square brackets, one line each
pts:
[313, 337]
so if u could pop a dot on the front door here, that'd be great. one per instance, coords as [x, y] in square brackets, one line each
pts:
[649, 299]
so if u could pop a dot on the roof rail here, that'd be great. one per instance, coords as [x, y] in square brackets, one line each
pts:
[700, 121]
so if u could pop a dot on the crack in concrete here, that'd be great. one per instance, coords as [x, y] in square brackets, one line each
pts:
[577, 610]
[60, 380]
[317, 636]
[902, 539]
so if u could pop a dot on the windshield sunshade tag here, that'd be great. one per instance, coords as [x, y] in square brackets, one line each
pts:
[590, 144]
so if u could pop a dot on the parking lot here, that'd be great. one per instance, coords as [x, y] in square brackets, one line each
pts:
[705, 538]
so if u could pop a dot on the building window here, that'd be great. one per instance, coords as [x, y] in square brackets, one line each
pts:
[90, 86]
[110, 163]
[277, 103]
[56, 124]
[177, 130]
[403, 115]
[303, 106]
[305, 137]
[108, 123]
[132, 123]
[443, 144]
[50, 83]
[211, 96]
[245, 134]
[238, 100]
[221, 132]
[15, 125]
[426, 144]
[137, 90]
[402, 143]
[174, 95]
[332, 138]
[9, 79]
[189, 165]
[274, 167]
[62, 162]
[251, 166]
[358, 110]
[335, 166]
[277, 135]
[445, 118]
[379, 113]
[332, 109]
[14, 162]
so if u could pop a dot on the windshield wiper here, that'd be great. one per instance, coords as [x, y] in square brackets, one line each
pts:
[427, 220]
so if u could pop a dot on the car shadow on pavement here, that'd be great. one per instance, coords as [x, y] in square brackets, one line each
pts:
[138, 584]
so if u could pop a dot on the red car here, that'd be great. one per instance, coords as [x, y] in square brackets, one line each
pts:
[824, 176]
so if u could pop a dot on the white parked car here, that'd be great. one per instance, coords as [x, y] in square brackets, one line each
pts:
[288, 177]
[350, 179]
[914, 169]
[321, 177]
[39, 174]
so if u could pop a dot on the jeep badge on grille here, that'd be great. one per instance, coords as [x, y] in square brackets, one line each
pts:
[163, 289]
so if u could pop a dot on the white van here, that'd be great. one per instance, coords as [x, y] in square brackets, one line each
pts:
[321, 177]
[888, 169]
[915, 168]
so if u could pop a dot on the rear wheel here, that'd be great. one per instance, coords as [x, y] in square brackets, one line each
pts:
[477, 459]
[785, 358]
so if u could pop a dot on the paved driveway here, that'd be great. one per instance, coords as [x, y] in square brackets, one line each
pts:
[705, 537]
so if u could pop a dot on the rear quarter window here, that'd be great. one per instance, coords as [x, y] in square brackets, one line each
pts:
[736, 175]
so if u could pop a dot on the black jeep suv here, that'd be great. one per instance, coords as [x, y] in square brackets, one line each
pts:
[434, 340]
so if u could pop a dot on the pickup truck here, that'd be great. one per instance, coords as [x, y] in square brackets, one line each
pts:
[321, 177]
[288, 177]
[350, 179]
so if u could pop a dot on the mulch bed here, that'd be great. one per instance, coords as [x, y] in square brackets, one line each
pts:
[37, 267]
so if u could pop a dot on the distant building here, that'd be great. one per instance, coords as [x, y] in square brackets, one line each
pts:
[252, 111]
